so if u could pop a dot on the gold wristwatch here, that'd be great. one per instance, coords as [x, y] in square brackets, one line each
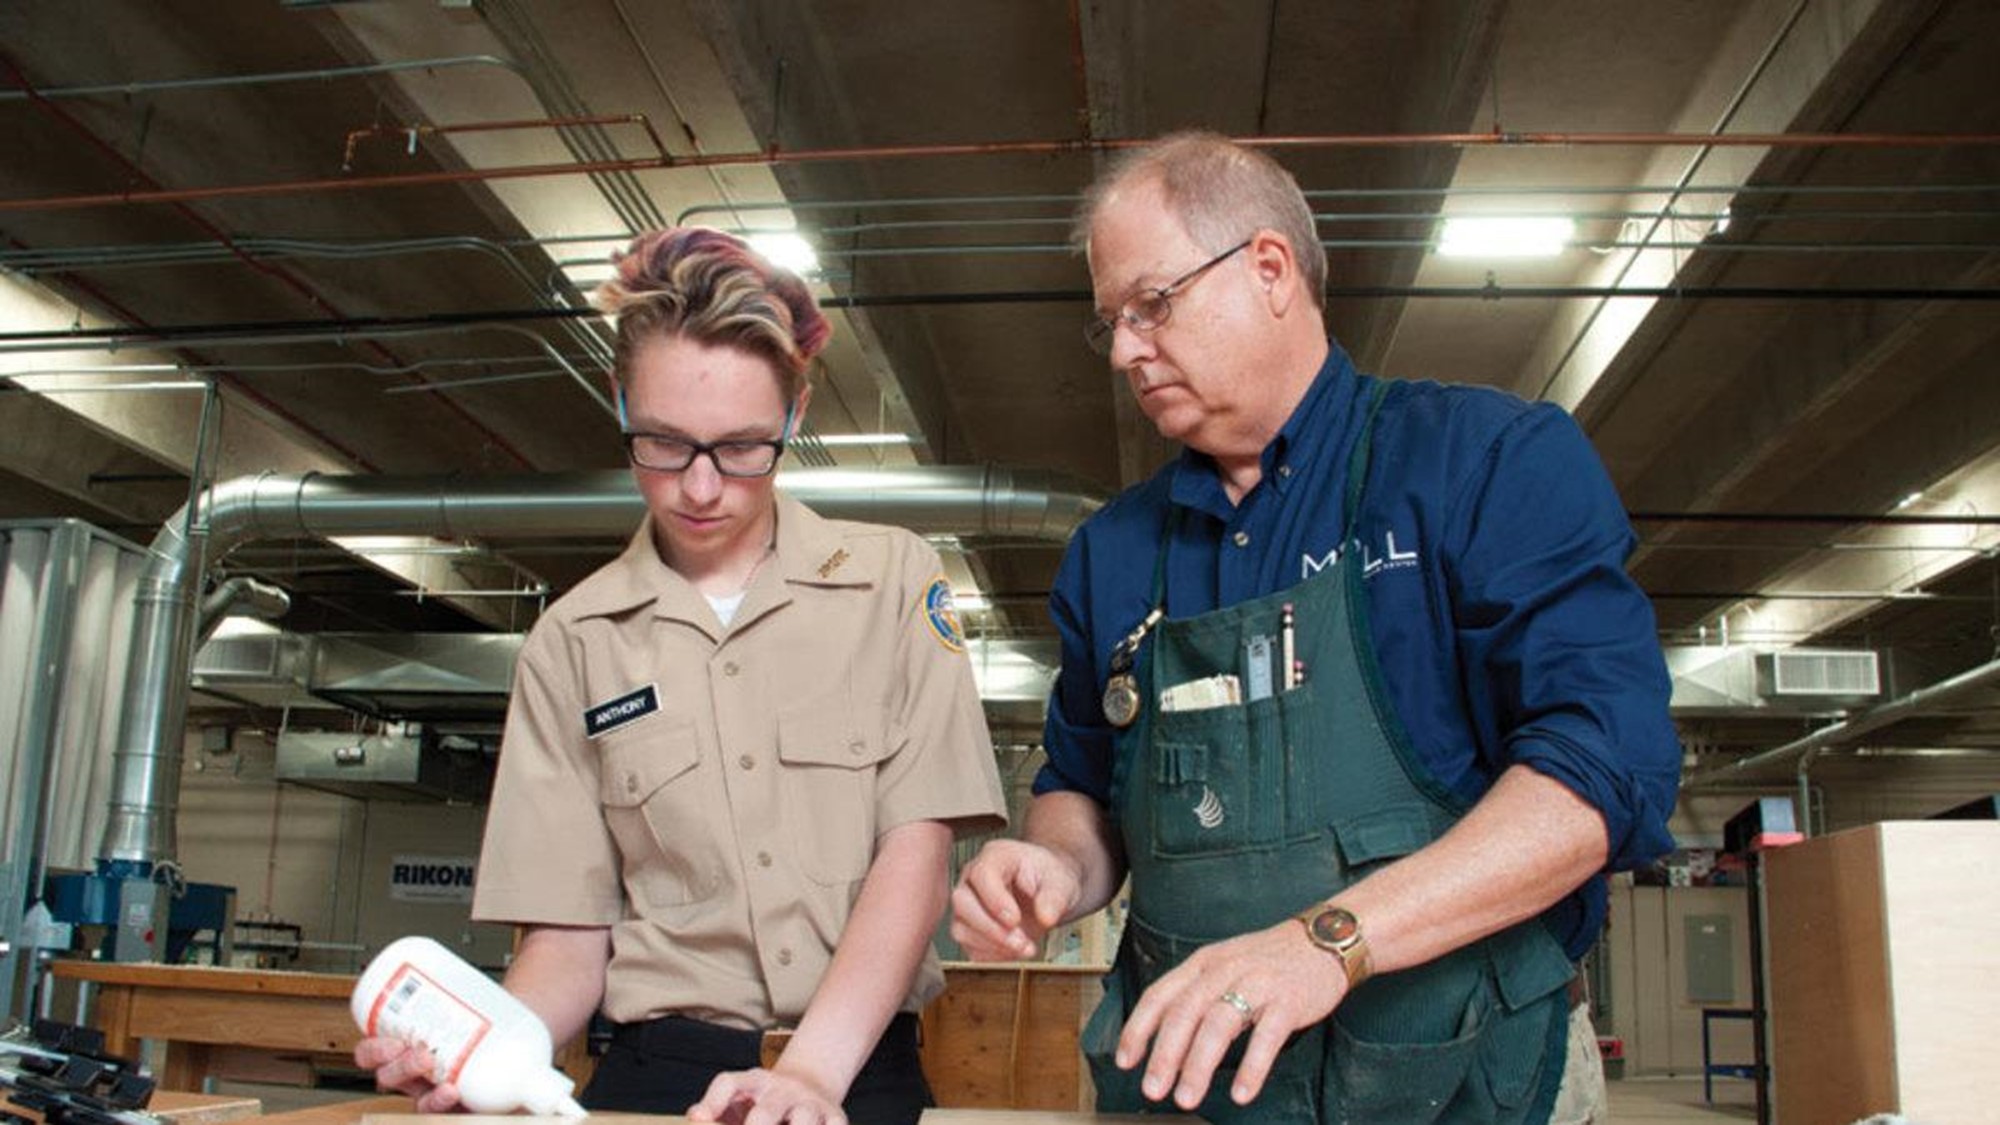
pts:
[1336, 930]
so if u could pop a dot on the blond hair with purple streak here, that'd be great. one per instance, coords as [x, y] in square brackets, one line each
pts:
[711, 287]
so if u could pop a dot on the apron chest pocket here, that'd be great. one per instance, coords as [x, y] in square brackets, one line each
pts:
[1224, 779]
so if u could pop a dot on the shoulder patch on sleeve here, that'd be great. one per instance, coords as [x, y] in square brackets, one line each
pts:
[940, 615]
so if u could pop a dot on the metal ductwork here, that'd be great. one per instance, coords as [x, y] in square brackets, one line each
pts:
[1852, 728]
[977, 500]
[241, 596]
[1739, 680]
[447, 694]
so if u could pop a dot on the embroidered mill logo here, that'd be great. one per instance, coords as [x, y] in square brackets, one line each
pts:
[1208, 811]
[941, 616]
[833, 562]
[1371, 563]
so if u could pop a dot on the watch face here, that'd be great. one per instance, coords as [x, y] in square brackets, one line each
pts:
[1335, 927]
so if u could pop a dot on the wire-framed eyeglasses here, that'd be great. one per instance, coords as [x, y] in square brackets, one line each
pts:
[1148, 309]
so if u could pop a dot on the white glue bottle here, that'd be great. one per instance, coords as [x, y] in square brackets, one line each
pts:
[483, 1039]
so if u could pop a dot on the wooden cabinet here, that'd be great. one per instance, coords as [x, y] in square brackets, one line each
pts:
[1885, 972]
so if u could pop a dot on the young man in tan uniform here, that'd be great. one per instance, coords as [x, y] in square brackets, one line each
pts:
[737, 755]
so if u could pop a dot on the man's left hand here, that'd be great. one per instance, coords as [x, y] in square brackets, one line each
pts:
[766, 1097]
[1269, 983]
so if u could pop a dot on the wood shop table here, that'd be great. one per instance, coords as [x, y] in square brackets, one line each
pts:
[397, 1111]
[179, 1108]
[202, 1013]
[183, 1108]
[1001, 1037]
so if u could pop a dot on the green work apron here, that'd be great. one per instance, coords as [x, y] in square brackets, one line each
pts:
[1236, 817]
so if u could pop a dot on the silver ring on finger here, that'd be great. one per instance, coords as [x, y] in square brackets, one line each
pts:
[1243, 1007]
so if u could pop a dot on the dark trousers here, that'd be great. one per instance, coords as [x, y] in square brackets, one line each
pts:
[665, 1066]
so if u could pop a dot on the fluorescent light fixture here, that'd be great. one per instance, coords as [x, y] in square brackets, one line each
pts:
[788, 250]
[1906, 501]
[244, 627]
[969, 601]
[1505, 237]
[864, 439]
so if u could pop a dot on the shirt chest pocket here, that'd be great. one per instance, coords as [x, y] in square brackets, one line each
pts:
[657, 806]
[830, 751]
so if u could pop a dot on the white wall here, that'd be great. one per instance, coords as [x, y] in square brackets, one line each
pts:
[320, 860]
[1660, 1025]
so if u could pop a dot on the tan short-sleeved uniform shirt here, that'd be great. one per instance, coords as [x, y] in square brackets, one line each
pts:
[714, 794]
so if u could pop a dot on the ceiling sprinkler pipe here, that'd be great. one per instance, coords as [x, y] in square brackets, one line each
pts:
[1852, 727]
[777, 156]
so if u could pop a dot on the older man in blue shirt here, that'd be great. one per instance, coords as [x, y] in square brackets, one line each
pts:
[1356, 691]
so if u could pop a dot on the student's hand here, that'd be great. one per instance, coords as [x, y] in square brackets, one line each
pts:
[766, 1097]
[402, 1067]
[1009, 897]
[1192, 1014]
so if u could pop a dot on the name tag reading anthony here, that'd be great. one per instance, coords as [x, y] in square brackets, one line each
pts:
[603, 718]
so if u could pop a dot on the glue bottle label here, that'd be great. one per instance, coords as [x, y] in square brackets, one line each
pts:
[413, 1006]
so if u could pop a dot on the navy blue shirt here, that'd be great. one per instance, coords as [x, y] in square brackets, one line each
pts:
[1493, 550]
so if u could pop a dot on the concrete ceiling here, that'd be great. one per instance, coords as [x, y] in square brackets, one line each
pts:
[1737, 381]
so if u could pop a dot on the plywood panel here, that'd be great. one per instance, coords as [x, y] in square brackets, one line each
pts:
[344, 1113]
[1006, 1037]
[1051, 1117]
[202, 1109]
[599, 1118]
[1941, 889]
[1831, 1040]
[931, 1117]
[178, 1107]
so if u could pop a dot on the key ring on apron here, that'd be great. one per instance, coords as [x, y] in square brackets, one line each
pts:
[1121, 691]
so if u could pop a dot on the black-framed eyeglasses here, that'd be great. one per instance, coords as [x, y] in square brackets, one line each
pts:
[1148, 309]
[735, 458]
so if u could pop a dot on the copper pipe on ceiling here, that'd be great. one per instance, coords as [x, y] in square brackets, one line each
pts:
[284, 277]
[777, 156]
[235, 383]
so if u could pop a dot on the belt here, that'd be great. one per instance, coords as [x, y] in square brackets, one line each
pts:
[733, 1048]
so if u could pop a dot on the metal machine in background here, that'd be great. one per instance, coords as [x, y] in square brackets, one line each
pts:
[66, 608]
[144, 912]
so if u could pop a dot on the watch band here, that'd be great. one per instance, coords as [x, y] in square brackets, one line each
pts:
[1336, 930]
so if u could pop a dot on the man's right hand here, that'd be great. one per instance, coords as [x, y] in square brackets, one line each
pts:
[402, 1067]
[1009, 897]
